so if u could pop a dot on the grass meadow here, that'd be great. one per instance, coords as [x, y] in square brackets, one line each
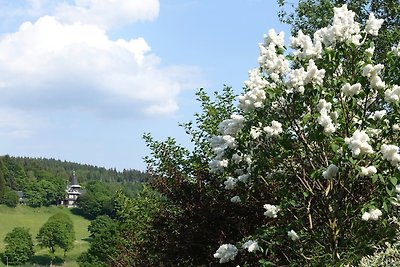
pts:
[33, 219]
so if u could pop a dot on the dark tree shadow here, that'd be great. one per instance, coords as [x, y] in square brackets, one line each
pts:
[44, 260]
[87, 239]
[77, 211]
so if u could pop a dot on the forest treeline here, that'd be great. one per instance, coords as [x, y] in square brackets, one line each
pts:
[15, 169]
[43, 181]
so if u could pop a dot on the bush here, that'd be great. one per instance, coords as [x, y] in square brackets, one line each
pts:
[309, 152]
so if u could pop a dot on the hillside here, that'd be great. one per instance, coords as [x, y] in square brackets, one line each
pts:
[34, 218]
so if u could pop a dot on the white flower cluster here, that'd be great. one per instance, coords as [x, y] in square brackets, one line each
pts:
[330, 172]
[296, 79]
[373, 25]
[226, 252]
[396, 50]
[251, 246]
[372, 215]
[379, 114]
[324, 119]
[368, 171]
[217, 165]
[236, 199]
[230, 183]
[293, 235]
[344, 28]
[244, 177]
[358, 143]
[231, 126]
[391, 153]
[221, 143]
[273, 130]
[255, 97]
[228, 128]
[372, 73]
[269, 60]
[271, 210]
[392, 95]
[299, 77]
[305, 47]
[370, 51]
[351, 90]
[255, 132]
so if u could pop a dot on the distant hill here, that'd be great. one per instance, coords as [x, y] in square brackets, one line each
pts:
[16, 169]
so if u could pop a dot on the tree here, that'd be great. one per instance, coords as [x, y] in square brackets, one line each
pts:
[19, 246]
[310, 152]
[104, 247]
[99, 224]
[11, 198]
[2, 182]
[97, 199]
[57, 232]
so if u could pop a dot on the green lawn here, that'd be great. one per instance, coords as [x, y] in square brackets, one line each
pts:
[34, 218]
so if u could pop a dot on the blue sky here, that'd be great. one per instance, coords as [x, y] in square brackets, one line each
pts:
[83, 80]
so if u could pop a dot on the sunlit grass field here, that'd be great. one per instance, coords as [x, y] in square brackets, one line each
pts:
[33, 219]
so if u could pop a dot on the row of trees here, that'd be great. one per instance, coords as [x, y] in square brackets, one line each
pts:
[57, 232]
[303, 172]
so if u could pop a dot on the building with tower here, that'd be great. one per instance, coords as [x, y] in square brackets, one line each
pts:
[73, 192]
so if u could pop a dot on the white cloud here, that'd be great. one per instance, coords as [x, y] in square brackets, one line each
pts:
[49, 65]
[108, 13]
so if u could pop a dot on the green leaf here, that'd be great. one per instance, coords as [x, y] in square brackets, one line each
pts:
[385, 207]
[393, 180]
[389, 191]
[264, 262]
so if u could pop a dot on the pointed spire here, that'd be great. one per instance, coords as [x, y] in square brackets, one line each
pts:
[74, 179]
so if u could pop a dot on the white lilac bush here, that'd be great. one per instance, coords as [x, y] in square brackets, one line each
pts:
[318, 126]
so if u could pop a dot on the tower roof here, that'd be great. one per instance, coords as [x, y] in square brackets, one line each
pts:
[74, 179]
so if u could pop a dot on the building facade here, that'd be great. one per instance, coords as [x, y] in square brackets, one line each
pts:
[73, 192]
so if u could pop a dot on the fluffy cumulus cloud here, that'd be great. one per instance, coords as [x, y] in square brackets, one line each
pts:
[66, 60]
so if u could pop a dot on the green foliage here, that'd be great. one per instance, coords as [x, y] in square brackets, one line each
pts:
[99, 224]
[19, 246]
[188, 232]
[2, 185]
[48, 191]
[105, 246]
[387, 256]
[57, 232]
[97, 200]
[126, 240]
[11, 198]
[168, 158]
